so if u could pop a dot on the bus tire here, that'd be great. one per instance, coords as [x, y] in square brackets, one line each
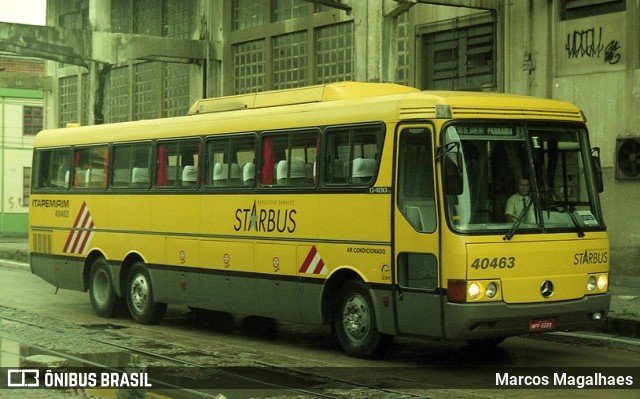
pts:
[354, 322]
[104, 299]
[140, 301]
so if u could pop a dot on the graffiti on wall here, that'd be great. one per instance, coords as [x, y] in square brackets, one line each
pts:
[589, 43]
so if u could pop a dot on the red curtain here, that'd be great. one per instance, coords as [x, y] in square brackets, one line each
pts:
[267, 171]
[161, 176]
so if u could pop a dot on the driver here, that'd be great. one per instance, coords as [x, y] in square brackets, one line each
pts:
[517, 201]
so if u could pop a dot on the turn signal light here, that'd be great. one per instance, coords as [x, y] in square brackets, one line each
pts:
[457, 291]
[461, 291]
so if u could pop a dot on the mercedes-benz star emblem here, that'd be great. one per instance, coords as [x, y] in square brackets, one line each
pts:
[546, 289]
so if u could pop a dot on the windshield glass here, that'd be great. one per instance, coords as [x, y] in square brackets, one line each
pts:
[524, 178]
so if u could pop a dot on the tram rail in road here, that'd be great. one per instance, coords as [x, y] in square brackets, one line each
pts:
[109, 351]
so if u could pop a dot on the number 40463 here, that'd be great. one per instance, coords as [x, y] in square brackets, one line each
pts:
[494, 263]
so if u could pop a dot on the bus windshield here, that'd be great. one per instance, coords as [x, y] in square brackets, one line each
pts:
[522, 178]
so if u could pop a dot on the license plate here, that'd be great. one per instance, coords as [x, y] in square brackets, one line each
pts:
[542, 324]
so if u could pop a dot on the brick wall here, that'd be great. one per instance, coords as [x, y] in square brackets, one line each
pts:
[22, 66]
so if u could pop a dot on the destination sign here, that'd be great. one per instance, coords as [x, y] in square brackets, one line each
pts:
[492, 131]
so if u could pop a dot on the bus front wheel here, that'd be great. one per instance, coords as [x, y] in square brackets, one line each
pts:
[103, 296]
[140, 300]
[355, 322]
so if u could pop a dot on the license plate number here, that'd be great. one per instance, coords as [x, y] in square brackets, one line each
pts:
[542, 324]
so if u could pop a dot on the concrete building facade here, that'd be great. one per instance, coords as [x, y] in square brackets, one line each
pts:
[116, 60]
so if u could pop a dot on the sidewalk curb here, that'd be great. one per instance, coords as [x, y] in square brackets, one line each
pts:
[14, 264]
[18, 255]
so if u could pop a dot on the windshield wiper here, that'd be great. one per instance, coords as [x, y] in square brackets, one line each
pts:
[519, 220]
[574, 219]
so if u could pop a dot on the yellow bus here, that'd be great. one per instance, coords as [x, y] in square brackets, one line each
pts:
[376, 208]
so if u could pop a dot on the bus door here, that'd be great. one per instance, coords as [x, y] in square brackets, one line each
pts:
[417, 303]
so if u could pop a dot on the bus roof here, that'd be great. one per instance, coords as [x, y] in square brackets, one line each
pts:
[334, 103]
[300, 95]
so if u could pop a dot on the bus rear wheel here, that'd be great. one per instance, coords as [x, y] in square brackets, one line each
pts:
[140, 300]
[104, 299]
[355, 322]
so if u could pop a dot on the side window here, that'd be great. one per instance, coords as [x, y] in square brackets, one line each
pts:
[90, 167]
[352, 155]
[52, 169]
[418, 271]
[415, 179]
[231, 161]
[289, 159]
[131, 165]
[177, 164]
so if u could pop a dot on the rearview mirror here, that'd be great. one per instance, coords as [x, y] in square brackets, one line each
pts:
[597, 168]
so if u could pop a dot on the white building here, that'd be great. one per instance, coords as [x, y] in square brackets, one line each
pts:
[21, 117]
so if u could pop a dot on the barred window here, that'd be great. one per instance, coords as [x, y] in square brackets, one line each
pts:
[69, 100]
[290, 60]
[147, 17]
[461, 58]
[249, 67]
[120, 16]
[334, 55]
[176, 90]
[146, 90]
[119, 95]
[315, 45]
[176, 16]
[247, 14]
[32, 120]
[282, 10]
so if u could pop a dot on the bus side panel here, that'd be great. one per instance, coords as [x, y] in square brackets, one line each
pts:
[277, 293]
[66, 273]
[381, 297]
[228, 282]
[309, 304]
[179, 285]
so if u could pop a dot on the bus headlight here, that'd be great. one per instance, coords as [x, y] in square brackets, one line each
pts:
[491, 290]
[591, 283]
[474, 290]
[597, 283]
[603, 282]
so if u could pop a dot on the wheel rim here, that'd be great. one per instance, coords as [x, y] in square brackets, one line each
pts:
[140, 293]
[101, 287]
[356, 318]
